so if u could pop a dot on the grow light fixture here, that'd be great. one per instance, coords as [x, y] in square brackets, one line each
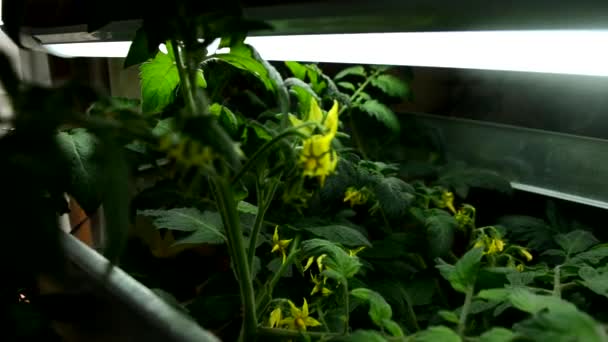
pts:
[559, 51]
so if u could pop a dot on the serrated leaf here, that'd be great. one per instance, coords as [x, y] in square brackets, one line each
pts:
[340, 234]
[593, 256]
[394, 196]
[357, 70]
[561, 326]
[297, 69]
[595, 279]
[462, 275]
[576, 241]
[240, 57]
[159, 79]
[437, 333]
[346, 85]
[379, 310]
[337, 259]
[78, 146]
[364, 336]
[440, 232]
[461, 179]
[207, 226]
[527, 301]
[497, 335]
[391, 85]
[535, 232]
[382, 113]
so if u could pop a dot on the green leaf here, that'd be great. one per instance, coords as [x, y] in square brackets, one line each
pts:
[247, 208]
[461, 179]
[346, 85]
[337, 259]
[159, 78]
[379, 310]
[364, 336]
[516, 278]
[297, 69]
[340, 234]
[494, 294]
[207, 226]
[355, 70]
[576, 241]
[394, 196]
[392, 327]
[561, 326]
[462, 275]
[226, 117]
[593, 256]
[527, 301]
[139, 51]
[497, 335]
[449, 316]
[382, 113]
[200, 79]
[78, 146]
[595, 279]
[535, 232]
[440, 227]
[437, 333]
[241, 57]
[391, 85]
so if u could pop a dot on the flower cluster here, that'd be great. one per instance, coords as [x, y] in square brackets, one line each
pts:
[299, 319]
[318, 158]
[356, 196]
[279, 245]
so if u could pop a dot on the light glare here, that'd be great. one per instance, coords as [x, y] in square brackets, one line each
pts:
[565, 52]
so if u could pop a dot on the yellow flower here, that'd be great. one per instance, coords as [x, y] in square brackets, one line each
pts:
[354, 252]
[319, 262]
[447, 201]
[320, 286]
[354, 196]
[299, 318]
[465, 216]
[526, 254]
[275, 318]
[279, 245]
[317, 158]
[490, 245]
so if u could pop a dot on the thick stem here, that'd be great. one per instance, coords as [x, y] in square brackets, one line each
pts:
[557, 288]
[346, 307]
[462, 323]
[227, 208]
[186, 85]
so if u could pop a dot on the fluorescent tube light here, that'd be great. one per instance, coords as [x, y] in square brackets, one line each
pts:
[563, 52]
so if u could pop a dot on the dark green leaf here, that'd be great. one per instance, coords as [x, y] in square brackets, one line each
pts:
[139, 51]
[207, 226]
[497, 335]
[576, 241]
[382, 113]
[448, 316]
[379, 310]
[462, 275]
[355, 70]
[337, 259]
[391, 85]
[242, 57]
[561, 326]
[79, 146]
[394, 196]
[494, 294]
[159, 78]
[595, 279]
[593, 256]
[247, 208]
[440, 227]
[527, 301]
[535, 232]
[437, 333]
[462, 178]
[340, 234]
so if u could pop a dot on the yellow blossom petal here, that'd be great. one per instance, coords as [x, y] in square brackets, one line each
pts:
[331, 121]
[311, 322]
[354, 252]
[275, 236]
[314, 113]
[526, 254]
[309, 263]
[275, 318]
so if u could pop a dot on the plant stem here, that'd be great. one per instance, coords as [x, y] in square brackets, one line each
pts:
[227, 209]
[360, 89]
[346, 307]
[557, 289]
[260, 152]
[295, 245]
[412, 315]
[184, 78]
[263, 205]
[286, 333]
[462, 323]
